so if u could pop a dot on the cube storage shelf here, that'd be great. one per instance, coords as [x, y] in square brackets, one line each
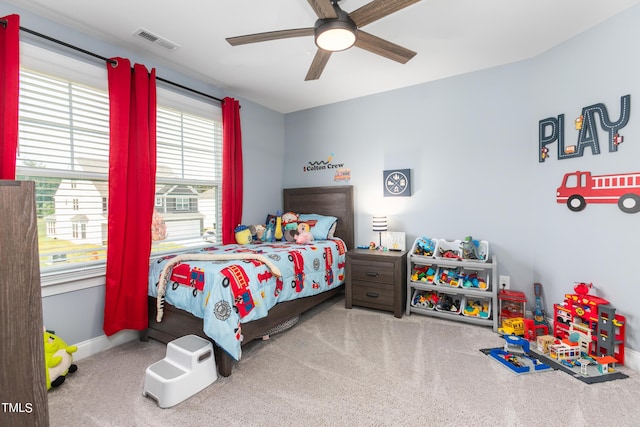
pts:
[482, 290]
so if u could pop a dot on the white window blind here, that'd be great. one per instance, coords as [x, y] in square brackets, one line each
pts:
[64, 147]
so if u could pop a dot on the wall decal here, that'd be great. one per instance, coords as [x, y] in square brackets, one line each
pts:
[320, 165]
[396, 183]
[342, 174]
[551, 130]
[581, 188]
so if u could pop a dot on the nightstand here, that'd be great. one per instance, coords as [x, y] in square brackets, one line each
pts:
[376, 279]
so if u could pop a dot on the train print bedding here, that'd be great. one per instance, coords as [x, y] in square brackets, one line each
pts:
[234, 284]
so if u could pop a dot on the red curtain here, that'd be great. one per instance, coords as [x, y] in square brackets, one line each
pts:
[231, 169]
[132, 171]
[9, 83]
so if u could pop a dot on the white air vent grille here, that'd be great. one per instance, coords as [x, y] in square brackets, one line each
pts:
[155, 39]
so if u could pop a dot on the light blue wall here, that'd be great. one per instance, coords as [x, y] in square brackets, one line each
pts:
[77, 316]
[599, 244]
[471, 143]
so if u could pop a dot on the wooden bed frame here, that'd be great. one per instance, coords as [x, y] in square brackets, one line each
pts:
[336, 201]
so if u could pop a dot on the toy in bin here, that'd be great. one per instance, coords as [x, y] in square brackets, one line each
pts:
[450, 303]
[424, 299]
[423, 273]
[472, 280]
[477, 308]
[449, 276]
[424, 246]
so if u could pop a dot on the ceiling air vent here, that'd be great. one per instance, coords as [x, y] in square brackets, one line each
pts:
[156, 39]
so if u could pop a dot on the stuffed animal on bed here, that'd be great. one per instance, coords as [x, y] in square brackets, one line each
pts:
[304, 235]
[257, 231]
[243, 235]
[290, 226]
[58, 359]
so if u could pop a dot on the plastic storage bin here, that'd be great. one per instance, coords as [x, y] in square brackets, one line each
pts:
[475, 279]
[450, 302]
[481, 251]
[477, 307]
[448, 249]
[424, 299]
[423, 273]
[448, 276]
[424, 247]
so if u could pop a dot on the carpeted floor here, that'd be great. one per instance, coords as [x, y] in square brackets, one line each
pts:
[355, 367]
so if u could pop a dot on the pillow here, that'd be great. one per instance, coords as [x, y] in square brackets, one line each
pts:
[322, 226]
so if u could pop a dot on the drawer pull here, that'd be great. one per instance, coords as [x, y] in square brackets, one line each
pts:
[372, 294]
[372, 273]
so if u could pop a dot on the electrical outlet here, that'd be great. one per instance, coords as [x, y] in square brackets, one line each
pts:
[505, 282]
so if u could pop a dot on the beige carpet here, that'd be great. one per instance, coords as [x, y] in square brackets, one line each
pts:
[353, 367]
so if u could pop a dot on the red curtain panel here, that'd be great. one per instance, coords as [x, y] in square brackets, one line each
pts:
[9, 84]
[231, 169]
[132, 171]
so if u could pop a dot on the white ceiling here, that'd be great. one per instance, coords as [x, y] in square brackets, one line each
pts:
[450, 37]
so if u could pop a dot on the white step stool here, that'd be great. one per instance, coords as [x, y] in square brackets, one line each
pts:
[188, 367]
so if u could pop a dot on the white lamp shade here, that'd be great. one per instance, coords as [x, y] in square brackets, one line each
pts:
[379, 223]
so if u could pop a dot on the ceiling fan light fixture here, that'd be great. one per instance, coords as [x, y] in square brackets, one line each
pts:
[335, 35]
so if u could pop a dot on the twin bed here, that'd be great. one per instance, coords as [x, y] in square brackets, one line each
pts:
[284, 280]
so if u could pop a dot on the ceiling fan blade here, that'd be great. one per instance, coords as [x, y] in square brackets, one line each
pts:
[377, 9]
[383, 47]
[323, 8]
[318, 64]
[271, 35]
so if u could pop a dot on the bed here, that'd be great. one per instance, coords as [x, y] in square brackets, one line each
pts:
[167, 322]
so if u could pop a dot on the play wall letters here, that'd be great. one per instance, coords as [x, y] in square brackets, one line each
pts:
[552, 130]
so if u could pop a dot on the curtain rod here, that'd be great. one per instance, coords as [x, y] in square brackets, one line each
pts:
[3, 22]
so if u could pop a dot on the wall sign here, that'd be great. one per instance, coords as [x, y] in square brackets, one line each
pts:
[396, 182]
[551, 130]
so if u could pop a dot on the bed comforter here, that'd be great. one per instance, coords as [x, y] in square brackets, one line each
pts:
[233, 284]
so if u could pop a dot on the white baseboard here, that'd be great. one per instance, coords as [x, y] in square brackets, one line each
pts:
[103, 342]
[632, 359]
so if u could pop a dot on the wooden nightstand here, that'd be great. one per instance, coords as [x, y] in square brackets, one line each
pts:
[376, 280]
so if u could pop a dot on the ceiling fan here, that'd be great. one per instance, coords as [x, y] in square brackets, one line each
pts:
[336, 30]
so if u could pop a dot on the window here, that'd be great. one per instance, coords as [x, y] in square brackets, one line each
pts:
[64, 147]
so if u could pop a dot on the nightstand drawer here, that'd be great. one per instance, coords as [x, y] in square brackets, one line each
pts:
[373, 294]
[372, 271]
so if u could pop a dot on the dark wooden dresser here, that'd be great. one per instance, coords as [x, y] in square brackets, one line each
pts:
[376, 279]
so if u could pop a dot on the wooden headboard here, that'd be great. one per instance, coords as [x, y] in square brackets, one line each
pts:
[335, 200]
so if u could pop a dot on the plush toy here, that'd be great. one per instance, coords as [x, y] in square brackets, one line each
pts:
[257, 231]
[290, 226]
[243, 235]
[278, 232]
[58, 359]
[270, 233]
[304, 235]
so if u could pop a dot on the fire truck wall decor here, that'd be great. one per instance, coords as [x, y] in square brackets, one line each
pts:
[580, 188]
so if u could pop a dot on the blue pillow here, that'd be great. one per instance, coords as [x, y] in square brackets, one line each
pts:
[322, 226]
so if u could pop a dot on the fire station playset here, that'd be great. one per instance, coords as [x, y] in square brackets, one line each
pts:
[588, 335]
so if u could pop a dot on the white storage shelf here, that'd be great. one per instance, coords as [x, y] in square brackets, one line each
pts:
[469, 293]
